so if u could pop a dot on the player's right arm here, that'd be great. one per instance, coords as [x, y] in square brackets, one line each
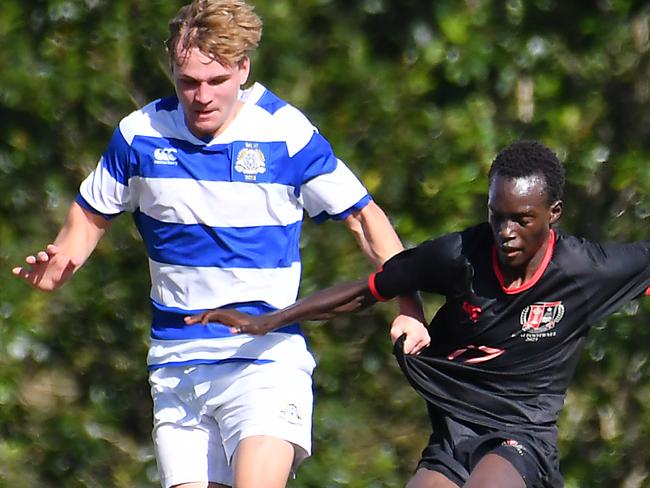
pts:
[49, 269]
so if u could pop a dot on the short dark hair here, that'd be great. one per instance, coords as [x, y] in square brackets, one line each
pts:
[526, 158]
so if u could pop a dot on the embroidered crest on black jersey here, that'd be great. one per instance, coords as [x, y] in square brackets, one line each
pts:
[540, 318]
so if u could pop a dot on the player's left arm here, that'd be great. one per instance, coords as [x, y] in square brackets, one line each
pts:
[379, 241]
[324, 304]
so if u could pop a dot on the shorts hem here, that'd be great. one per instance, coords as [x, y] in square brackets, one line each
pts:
[302, 447]
[179, 480]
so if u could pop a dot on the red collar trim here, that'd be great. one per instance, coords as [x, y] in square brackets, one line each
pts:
[548, 254]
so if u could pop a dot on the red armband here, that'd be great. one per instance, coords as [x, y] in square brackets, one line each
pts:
[647, 292]
[373, 288]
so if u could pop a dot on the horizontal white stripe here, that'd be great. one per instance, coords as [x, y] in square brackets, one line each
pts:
[105, 193]
[333, 192]
[139, 123]
[193, 288]
[149, 122]
[288, 124]
[216, 203]
[252, 122]
[276, 346]
[296, 128]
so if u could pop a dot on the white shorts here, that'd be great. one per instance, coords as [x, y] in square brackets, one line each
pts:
[202, 412]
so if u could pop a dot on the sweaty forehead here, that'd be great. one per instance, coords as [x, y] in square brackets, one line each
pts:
[522, 190]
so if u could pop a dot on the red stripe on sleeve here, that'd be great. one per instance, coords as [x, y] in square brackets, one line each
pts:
[373, 288]
[647, 292]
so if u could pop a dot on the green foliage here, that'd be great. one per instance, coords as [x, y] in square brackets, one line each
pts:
[417, 97]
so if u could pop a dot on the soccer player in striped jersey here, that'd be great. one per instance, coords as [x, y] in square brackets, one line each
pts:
[217, 179]
[521, 297]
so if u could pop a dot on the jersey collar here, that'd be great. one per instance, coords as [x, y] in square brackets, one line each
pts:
[548, 254]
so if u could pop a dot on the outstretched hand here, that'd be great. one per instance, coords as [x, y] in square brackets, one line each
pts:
[239, 322]
[47, 270]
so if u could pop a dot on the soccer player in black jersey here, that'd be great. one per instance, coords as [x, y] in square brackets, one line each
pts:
[520, 299]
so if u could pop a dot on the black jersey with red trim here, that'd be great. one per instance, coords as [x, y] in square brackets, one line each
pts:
[503, 358]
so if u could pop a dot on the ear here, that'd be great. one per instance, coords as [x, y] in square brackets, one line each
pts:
[244, 67]
[555, 212]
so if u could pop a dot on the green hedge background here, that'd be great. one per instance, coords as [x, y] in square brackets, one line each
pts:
[417, 97]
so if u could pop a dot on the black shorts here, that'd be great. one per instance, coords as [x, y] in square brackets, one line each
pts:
[455, 448]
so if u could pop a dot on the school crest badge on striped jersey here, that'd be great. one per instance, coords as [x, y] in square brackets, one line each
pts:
[250, 162]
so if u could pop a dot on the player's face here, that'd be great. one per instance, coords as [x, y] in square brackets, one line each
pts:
[521, 219]
[208, 91]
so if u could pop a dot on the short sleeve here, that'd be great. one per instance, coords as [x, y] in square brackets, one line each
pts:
[619, 273]
[329, 188]
[436, 266]
[105, 191]
[334, 195]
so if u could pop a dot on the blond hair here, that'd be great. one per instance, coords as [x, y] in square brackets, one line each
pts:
[226, 30]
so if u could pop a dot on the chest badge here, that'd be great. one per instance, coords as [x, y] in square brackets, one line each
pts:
[541, 317]
[250, 162]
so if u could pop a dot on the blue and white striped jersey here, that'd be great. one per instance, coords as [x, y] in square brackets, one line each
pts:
[221, 219]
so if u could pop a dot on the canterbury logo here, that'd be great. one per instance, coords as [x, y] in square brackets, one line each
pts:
[165, 155]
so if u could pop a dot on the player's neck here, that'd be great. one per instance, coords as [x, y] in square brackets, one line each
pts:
[518, 277]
